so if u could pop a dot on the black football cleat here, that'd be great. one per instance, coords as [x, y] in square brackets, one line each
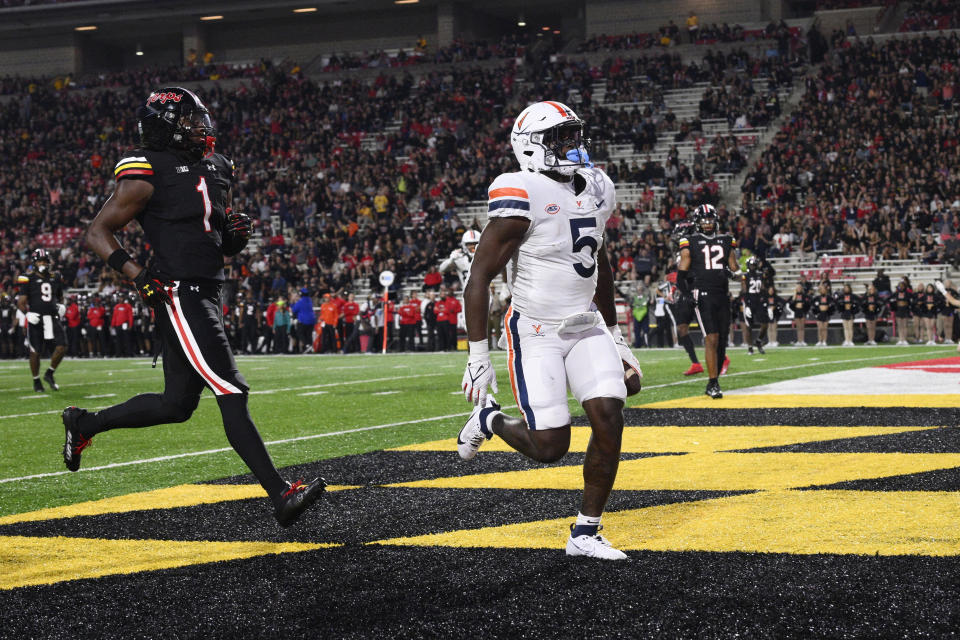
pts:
[38, 386]
[74, 442]
[760, 349]
[298, 499]
[48, 378]
[713, 390]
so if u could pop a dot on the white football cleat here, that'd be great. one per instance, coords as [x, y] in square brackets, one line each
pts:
[471, 436]
[595, 546]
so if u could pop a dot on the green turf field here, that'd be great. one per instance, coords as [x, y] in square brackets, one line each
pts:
[307, 408]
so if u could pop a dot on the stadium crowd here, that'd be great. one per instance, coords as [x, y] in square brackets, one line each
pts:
[340, 195]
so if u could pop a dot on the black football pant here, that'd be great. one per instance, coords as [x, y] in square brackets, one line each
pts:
[248, 340]
[713, 316]
[196, 354]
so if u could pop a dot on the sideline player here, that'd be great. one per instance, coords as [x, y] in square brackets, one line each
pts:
[41, 300]
[754, 305]
[178, 189]
[547, 220]
[461, 259]
[711, 257]
[683, 308]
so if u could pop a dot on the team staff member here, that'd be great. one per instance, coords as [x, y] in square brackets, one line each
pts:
[351, 310]
[452, 307]
[41, 293]
[873, 307]
[302, 309]
[120, 322]
[408, 321]
[848, 304]
[74, 329]
[330, 316]
[178, 189]
[96, 318]
[710, 256]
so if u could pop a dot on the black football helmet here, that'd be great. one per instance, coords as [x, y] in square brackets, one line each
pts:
[705, 217]
[175, 118]
[753, 264]
[41, 260]
[681, 230]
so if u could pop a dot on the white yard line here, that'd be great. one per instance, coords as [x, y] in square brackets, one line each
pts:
[225, 449]
[262, 391]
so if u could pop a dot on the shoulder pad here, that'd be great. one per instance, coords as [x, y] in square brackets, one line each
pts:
[133, 165]
[508, 196]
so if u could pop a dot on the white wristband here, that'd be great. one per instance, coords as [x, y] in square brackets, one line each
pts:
[479, 348]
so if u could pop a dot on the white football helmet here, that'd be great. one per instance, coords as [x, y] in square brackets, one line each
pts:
[469, 241]
[540, 134]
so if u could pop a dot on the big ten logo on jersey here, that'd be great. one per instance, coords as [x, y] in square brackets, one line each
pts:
[162, 98]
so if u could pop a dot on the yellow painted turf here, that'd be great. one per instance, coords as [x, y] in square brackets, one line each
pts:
[795, 522]
[712, 472]
[26, 561]
[684, 439]
[793, 401]
[185, 495]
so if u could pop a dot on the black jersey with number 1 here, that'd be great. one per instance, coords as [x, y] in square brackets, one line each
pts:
[43, 292]
[709, 260]
[184, 219]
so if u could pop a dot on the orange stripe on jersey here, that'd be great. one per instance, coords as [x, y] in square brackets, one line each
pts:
[512, 192]
[562, 111]
[510, 357]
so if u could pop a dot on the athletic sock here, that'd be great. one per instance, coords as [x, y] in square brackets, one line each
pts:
[486, 420]
[36, 378]
[586, 525]
[51, 369]
[687, 343]
[246, 441]
[713, 380]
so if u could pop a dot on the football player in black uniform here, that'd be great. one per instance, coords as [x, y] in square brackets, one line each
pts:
[178, 189]
[711, 256]
[683, 307]
[754, 305]
[41, 299]
[8, 315]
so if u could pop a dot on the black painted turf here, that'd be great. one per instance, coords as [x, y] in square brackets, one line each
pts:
[364, 591]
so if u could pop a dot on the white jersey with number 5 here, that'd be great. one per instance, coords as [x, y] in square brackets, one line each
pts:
[554, 272]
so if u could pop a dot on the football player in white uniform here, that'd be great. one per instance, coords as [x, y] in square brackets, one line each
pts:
[547, 221]
[461, 259]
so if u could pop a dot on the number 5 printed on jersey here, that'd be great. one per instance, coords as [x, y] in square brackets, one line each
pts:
[579, 242]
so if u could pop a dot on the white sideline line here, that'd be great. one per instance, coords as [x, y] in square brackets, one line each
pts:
[224, 449]
[263, 391]
[795, 366]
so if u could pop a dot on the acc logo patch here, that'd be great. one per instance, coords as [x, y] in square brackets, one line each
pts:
[552, 208]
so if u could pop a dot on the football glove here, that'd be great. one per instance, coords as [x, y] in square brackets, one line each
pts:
[478, 376]
[33, 317]
[239, 225]
[940, 287]
[747, 314]
[62, 309]
[152, 289]
[624, 350]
